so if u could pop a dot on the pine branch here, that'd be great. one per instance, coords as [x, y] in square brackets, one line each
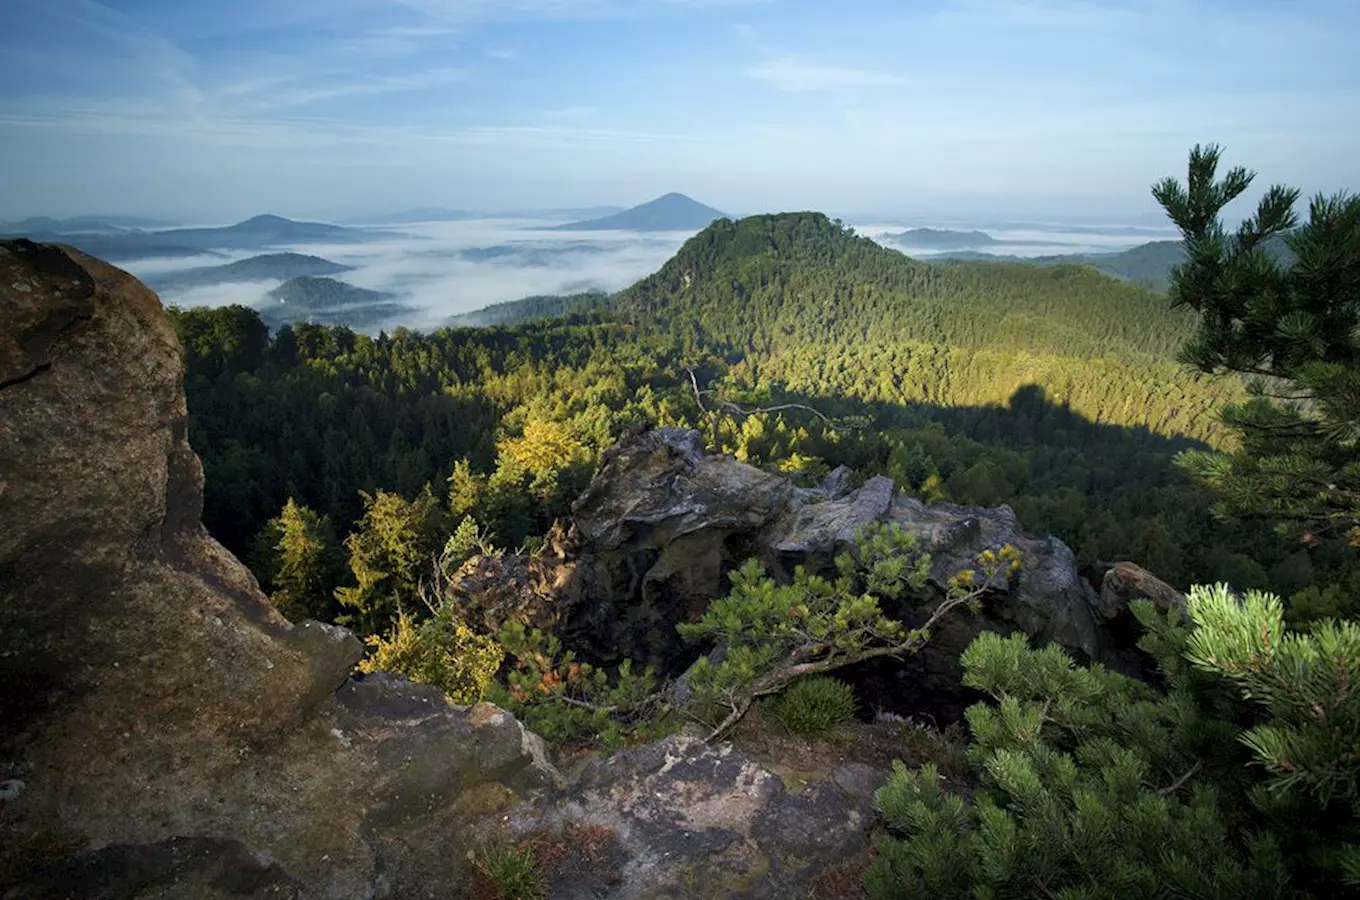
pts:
[789, 670]
[1179, 783]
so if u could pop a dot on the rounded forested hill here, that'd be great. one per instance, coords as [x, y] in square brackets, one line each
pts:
[803, 277]
[825, 312]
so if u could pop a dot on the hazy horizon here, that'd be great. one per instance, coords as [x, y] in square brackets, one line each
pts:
[425, 267]
[964, 109]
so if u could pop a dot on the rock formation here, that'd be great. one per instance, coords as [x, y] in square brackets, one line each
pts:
[165, 729]
[655, 534]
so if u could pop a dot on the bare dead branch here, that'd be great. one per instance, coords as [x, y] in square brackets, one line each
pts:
[735, 409]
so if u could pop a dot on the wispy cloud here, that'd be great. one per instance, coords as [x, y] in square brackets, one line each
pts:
[414, 31]
[461, 11]
[303, 96]
[300, 133]
[399, 42]
[161, 58]
[792, 74]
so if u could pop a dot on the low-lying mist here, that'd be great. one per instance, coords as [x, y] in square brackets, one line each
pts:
[439, 270]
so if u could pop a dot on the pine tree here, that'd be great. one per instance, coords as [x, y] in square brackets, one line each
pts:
[388, 555]
[1293, 330]
[1091, 784]
[303, 562]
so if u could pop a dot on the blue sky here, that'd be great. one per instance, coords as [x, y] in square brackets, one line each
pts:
[219, 109]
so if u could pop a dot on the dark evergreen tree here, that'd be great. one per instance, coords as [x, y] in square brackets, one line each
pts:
[1295, 329]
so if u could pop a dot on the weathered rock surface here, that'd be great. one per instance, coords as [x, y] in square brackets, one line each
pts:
[1125, 582]
[175, 736]
[685, 819]
[661, 525]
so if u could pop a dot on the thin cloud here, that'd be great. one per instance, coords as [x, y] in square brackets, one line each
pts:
[791, 74]
[163, 59]
[414, 31]
[313, 132]
[461, 11]
[379, 85]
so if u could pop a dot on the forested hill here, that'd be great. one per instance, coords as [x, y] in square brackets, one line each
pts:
[807, 305]
[799, 277]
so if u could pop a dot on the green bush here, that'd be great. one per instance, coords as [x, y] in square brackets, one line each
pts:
[813, 706]
[441, 650]
[1236, 778]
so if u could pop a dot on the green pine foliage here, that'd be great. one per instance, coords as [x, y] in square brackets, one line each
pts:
[813, 706]
[1235, 778]
[297, 557]
[1294, 329]
[1310, 744]
[440, 650]
[388, 555]
[571, 702]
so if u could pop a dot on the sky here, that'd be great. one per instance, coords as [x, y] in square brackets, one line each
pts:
[951, 109]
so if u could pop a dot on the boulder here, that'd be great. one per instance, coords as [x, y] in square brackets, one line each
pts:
[681, 818]
[166, 731]
[1125, 582]
[665, 521]
[659, 527]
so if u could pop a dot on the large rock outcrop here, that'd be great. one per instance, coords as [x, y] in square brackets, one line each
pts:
[165, 729]
[654, 536]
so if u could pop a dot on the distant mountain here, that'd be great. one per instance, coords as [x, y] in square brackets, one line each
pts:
[269, 229]
[1147, 265]
[326, 301]
[672, 212]
[266, 267]
[515, 312]
[258, 233]
[940, 239]
[46, 225]
[531, 253]
[423, 214]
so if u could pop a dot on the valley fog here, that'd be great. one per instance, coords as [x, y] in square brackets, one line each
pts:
[437, 270]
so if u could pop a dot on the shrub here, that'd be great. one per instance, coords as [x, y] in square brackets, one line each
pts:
[1238, 778]
[813, 706]
[441, 650]
[512, 873]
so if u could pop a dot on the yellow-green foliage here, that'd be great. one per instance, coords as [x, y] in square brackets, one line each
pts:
[441, 651]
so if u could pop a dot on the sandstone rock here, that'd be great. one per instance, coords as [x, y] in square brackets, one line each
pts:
[174, 735]
[660, 525]
[837, 483]
[664, 521]
[1126, 581]
[692, 820]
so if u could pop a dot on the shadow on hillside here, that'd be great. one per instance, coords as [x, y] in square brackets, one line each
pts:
[1028, 420]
